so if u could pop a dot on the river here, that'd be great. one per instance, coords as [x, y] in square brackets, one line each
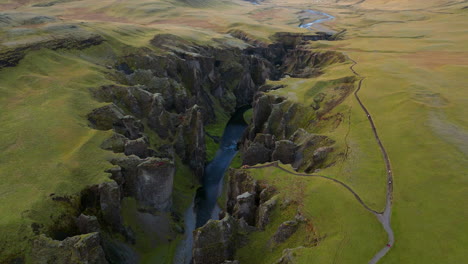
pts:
[327, 17]
[205, 205]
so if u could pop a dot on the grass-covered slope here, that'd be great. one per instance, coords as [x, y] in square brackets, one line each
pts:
[46, 145]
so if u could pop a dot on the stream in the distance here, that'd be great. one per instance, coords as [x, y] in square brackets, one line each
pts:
[327, 17]
[205, 205]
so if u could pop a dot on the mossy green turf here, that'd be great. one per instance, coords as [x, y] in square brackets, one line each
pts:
[46, 144]
[415, 80]
[339, 222]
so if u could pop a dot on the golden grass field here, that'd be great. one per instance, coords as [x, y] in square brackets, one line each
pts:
[413, 55]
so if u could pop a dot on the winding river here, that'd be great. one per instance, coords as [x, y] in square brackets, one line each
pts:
[205, 205]
[326, 18]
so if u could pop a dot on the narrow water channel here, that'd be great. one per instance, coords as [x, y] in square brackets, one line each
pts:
[205, 205]
[327, 17]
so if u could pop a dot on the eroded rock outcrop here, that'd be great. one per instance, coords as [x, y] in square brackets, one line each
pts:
[217, 240]
[285, 151]
[264, 212]
[285, 231]
[78, 249]
[275, 134]
[105, 117]
[87, 224]
[248, 199]
[149, 180]
[242, 196]
[249, 205]
[109, 201]
[190, 141]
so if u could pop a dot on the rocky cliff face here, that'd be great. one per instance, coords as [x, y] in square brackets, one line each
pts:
[78, 249]
[248, 208]
[158, 109]
[279, 131]
[276, 134]
[217, 241]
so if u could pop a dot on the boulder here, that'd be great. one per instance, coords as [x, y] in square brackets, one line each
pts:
[160, 120]
[321, 154]
[134, 99]
[285, 231]
[240, 183]
[130, 127]
[137, 147]
[311, 151]
[190, 141]
[256, 153]
[245, 208]
[105, 117]
[217, 241]
[78, 249]
[149, 180]
[87, 224]
[266, 140]
[266, 193]
[109, 201]
[285, 151]
[115, 143]
[264, 211]
[261, 113]
[154, 183]
[116, 175]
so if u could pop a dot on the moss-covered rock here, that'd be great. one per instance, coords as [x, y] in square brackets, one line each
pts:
[285, 231]
[285, 151]
[217, 240]
[105, 117]
[73, 250]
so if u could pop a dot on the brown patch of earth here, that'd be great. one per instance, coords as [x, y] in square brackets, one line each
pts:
[266, 14]
[9, 6]
[191, 22]
[436, 59]
[85, 14]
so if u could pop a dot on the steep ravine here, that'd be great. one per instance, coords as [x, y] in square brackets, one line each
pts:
[158, 110]
[205, 205]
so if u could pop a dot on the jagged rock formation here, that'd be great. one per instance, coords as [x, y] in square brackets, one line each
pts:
[87, 224]
[276, 134]
[285, 231]
[109, 202]
[217, 240]
[249, 205]
[248, 199]
[149, 180]
[78, 249]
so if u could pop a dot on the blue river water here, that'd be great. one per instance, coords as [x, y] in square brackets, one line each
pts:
[205, 205]
[327, 17]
